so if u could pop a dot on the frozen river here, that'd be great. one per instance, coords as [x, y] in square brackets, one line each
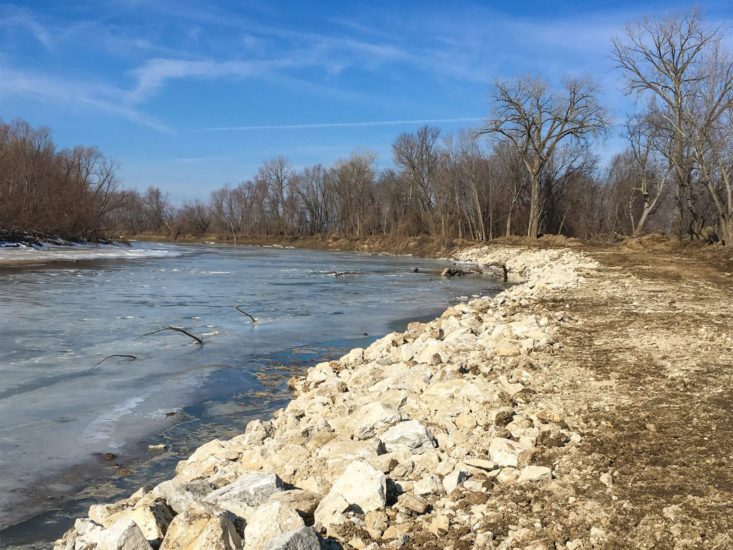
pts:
[72, 432]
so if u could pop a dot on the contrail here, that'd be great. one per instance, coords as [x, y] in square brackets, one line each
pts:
[338, 124]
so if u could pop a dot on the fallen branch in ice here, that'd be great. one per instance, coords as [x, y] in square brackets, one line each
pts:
[125, 356]
[198, 340]
[240, 310]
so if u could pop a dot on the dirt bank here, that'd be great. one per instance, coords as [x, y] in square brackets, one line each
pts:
[589, 406]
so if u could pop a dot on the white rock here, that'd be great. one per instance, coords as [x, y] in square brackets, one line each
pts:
[360, 486]
[247, 492]
[454, 479]
[363, 486]
[429, 485]
[505, 452]
[298, 539]
[268, 522]
[534, 473]
[330, 510]
[202, 526]
[374, 417]
[408, 435]
[180, 494]
[152, 515]
[124, 535]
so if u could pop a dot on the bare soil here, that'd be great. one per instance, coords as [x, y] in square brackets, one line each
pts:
[646, 375]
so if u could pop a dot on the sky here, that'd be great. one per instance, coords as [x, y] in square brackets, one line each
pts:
[191, 95]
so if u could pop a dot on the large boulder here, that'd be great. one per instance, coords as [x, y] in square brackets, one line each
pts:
[152, 515]
[123, 534]
[180, 493]
[246, 493]
[410, 435]
[374, 417]
[268, 522]
[360, 488]
[202, 526]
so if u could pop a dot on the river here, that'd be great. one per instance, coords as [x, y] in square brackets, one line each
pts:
[78, 428]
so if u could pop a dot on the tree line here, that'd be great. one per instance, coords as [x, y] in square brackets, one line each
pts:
[531, 169]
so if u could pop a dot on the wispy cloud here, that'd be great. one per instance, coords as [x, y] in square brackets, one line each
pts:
[371, 123]
[84, 94]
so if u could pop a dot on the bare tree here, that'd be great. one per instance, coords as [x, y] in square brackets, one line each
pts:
[663, 59]
[535, 120]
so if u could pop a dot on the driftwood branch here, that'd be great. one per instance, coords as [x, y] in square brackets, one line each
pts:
[240, 310]
[198, 340]
[125, 356]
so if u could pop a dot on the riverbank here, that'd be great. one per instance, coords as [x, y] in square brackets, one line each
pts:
[586, 406]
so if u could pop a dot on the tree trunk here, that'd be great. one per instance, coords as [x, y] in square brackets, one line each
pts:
[534, 208]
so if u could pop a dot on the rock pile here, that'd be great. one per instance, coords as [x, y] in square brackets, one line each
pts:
[401, 444]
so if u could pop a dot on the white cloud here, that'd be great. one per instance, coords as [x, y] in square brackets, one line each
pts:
[44, 87]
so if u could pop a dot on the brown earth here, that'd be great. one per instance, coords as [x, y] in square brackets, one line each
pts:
[657, 327]
[646, 375]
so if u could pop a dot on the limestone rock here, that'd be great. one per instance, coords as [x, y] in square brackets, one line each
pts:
[303, 502]
[268, 522]
[124, 534]
[374, 417]
[413, 503]
[180, 494]
[202, 526]
[429, 485]
[454, 479]
[360, 487]
[247, 492]
[534, 473]
[505, 452]
[410, 435]
[152, 515]
[303, 538]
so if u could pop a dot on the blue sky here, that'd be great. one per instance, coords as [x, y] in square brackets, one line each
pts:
[191, 95]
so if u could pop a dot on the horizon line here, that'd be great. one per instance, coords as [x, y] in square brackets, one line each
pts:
[337, 124]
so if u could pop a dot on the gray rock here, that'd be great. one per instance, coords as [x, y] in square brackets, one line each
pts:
[303, 538]
[269, 522]
[180, 495]
[247, 492]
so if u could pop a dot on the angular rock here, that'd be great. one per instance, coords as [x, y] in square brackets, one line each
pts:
[303, 538]
[505, 452]
[361, 488]
[181, 494]
[375, 417]
[152, 515]
[202, 526]
[454, 479]
[330, 511]
[246, 493]
[269, 522]
[411, 435]
[534, 473]
[429, 485]
[376, 522]
[124, 535]
[303, 502]
[413, 503]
